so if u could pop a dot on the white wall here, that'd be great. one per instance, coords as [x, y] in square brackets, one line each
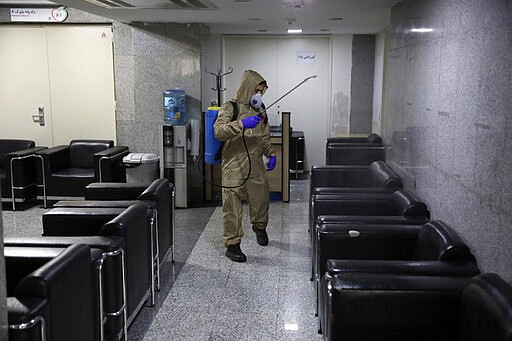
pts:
[320, 107]
[276, 59]
[210, 62]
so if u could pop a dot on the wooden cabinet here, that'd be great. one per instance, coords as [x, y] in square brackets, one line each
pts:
[279, 178]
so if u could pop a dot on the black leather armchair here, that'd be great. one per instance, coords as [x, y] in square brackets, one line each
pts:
[357, 151]
[17, 157]
[107, 262]
[381, 306]
[131, 224]
[433, 249]
[67, 169]
[399, 208]
[160, 193]
[49, 292]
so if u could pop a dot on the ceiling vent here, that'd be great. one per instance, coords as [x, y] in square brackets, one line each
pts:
[110, 3]
[155, 4]
[189, 4]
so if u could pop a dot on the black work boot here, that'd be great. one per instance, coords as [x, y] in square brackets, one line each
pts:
[261, 236]
[235, 253]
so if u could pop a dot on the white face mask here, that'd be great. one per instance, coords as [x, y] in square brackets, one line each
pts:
[256, 101]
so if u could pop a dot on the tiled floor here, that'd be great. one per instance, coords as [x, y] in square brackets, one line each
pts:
[205, 296]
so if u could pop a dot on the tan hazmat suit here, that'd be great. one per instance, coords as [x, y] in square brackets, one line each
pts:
[235, 164]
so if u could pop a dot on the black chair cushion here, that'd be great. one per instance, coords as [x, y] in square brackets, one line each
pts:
[81, 152]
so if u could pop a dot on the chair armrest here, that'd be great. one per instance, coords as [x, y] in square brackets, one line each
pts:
[133, 226]
[112, 152]
[27, 318]
[114, 191]
[24, 167]
[357, 219]
[402, 267]
[107, 164]
[77, 221]
[54, 158]
[24, 152]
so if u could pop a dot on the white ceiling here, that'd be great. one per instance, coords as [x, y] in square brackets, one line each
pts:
[246, 16]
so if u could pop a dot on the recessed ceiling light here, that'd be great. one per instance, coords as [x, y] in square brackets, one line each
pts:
[422, 30]
[294, 30]
[291, 326]
[336, 19]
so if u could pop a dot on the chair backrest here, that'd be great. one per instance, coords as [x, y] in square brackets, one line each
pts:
[437, 241]
[9, 146]
[81, 152]
[486, 309]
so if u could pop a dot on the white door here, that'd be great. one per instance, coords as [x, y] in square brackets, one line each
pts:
[277, 59]
[24, 84]
[67, 70]
[82, 82]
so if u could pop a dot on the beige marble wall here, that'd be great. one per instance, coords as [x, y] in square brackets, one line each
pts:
[149, 59]
[449, 118]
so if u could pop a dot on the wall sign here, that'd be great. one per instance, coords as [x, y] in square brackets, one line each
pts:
[39, 14]
[306, 57]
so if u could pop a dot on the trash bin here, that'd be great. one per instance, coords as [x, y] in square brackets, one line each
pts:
[141, 167]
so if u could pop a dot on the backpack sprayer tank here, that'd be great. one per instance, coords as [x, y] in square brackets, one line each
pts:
[212, 145]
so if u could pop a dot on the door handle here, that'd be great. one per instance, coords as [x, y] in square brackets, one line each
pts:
[39, 117]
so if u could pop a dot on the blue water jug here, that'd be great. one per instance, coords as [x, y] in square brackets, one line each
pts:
[174, 107]
[212, 145]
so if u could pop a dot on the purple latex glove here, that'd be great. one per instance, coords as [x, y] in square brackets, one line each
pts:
[271, 163]
[251, 121]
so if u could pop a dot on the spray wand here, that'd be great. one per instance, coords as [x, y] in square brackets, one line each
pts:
[263, 114]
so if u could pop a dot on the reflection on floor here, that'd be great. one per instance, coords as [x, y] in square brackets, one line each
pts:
[205, 296]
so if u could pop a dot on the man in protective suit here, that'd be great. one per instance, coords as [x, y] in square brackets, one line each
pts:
[237, 167]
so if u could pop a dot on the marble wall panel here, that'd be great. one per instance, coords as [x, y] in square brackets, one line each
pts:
[150, 58]
[448, 117]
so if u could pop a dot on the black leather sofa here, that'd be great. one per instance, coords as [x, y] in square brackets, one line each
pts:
[49, 291]
[18, 155]
[107, 262]
[357, 151]
[67, 169]
[433, 249]
[131, 224]
[366, 306]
